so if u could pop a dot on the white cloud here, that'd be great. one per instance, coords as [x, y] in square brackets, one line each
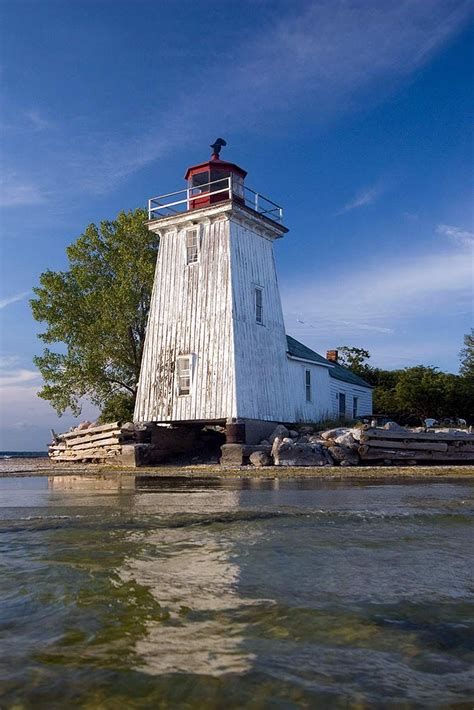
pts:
[461, 236]
[16, 193]
[37, 121]
[362, 198]
[377, 299]
[315, 59]
[17, 377]
[13, 299]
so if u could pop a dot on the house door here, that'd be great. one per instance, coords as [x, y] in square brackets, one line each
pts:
[342, 405]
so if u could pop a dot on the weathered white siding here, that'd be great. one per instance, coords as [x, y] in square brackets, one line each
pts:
[363, 393]
[190, 313]
[320, 406]
[261, 372]
[207, 310]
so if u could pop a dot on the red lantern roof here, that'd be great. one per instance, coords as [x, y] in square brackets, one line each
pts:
[215, 163]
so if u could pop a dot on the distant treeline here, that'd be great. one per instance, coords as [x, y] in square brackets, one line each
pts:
[412, 394]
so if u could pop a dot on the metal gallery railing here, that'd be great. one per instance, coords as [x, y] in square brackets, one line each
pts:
[202, 195]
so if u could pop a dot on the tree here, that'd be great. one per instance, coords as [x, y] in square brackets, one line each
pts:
[96, 312]
[420, 392]
[466, 355]
[355, 359]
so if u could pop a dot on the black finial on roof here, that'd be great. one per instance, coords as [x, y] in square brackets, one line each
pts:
[217, 145]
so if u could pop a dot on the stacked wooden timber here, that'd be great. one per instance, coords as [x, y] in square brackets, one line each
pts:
[94, 444]
[410, 446]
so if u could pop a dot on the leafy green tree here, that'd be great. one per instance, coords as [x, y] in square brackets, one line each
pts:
[354, 359]
[420, 392]
[96, 315]
[466, 355]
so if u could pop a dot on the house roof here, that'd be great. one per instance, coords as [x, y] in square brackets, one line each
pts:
[338, 372]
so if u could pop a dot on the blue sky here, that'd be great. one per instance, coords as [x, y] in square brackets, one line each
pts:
[352, 115]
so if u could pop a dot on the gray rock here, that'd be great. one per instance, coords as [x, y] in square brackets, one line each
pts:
[316, 439]
[334, 433]
[265, 442]
[294, 434]
[341, 453]
[348, 441]
[280, 431]
[393, 426]
[287, 440]
[327, 456]
[260, 458]
[299, 455]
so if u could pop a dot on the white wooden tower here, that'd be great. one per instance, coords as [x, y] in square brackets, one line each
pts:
[215, 347]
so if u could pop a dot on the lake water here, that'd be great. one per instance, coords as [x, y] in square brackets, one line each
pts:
[235, 594]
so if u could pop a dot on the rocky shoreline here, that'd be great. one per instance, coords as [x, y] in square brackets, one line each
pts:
[44, 467]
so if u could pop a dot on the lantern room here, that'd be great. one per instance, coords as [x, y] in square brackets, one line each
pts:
[214, 181]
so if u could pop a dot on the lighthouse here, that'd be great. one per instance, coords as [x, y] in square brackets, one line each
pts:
[216, 351]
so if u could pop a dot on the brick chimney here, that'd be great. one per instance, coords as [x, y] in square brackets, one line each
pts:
[332, 355]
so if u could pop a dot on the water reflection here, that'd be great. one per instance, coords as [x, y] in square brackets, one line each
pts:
[193, 574]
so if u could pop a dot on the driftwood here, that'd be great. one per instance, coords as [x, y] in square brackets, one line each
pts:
[418, 445]
[367, 453]
[414, 435]
[90, 430]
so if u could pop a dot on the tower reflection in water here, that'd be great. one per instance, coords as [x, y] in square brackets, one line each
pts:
[185, 538]
[191, 568]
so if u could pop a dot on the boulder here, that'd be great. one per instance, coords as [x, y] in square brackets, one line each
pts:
[316, 439]
[347, 441]
[393, 426]
[265, 442]
[287, 440]
[260, 458]
[333, 433]
[299, 455]
[293, 433]
[343, 454]
[280, 431]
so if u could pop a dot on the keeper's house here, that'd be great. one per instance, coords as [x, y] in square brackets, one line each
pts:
[216, 348]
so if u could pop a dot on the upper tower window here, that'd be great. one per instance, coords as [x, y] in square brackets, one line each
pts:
[192, 245]
[259, 305]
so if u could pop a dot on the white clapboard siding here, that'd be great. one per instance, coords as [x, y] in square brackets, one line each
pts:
[207, 310]
[320, 406]
[190, 313]
[364, 395]
[261, 372]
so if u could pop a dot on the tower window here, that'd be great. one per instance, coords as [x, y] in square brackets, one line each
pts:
[184, 369]
[259, 305]
[192, 245]
[307, 384]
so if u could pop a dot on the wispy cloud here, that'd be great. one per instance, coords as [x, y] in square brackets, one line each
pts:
[15, 192]
[381, 297]
[9, 378]
[459, 235]
[13, 299]
[37, 121]
[317, 59]
[364, 197]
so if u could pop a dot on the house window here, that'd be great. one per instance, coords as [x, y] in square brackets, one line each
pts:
[184, 369]
[307, 384]
[192, 245]
[355, 402]
[342, 405]
[259, 305]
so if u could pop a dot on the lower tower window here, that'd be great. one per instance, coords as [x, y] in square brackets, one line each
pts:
[184, 370]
